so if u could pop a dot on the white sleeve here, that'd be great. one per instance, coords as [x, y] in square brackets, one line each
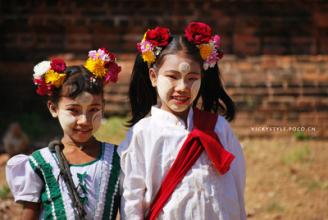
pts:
[238, 166]
[132, 177]
[23, 181]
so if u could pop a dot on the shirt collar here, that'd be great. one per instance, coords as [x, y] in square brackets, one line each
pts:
[168, 117]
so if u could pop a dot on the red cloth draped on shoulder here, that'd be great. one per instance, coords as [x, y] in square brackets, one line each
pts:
[202, 137]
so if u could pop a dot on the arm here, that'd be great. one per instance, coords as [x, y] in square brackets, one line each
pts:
[238, 167]
[132, 178]
[25, 185]
[239, 172]
[31, 211]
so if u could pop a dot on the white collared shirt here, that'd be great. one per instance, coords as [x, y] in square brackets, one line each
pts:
[147, 154]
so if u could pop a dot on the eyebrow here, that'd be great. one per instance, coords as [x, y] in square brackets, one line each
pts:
[178, 72]
[74, 104]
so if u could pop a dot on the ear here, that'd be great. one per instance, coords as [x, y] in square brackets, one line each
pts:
[53, 109]
[153, 77]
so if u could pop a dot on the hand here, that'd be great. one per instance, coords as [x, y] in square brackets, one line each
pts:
[31, 211]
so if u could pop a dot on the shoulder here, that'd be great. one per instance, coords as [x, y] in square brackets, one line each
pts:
[222, 126]
[22, 159]
[24, 183]
[142, 125]
[41, 157]
[110, 152]
[134, 138]
[226, 135]
[17, 161]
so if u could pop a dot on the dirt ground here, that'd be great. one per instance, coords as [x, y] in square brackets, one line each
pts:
[286, 179]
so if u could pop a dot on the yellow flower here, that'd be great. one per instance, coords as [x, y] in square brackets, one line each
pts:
[54, 78]
[96, 67]
[148, 57]
[205, 50]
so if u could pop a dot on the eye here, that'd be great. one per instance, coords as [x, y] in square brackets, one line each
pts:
[95, 109]
[73, 110]
[171, 76]
[193, 78]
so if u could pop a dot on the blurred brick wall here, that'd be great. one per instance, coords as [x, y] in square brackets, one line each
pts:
[289, 92]
[267, 89]
[35, 29]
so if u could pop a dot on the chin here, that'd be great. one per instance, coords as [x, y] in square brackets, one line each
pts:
[82, 139]
[180, 109]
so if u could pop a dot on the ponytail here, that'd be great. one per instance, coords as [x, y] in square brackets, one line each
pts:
[142, 94]
[214, 97]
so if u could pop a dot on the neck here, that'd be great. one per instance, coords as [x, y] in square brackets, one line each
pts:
[70, 144]
[182, 115]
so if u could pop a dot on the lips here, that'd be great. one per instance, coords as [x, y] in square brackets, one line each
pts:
[181, 99]
[83, 131]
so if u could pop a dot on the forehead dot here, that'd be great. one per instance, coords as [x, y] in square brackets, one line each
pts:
[184, 67]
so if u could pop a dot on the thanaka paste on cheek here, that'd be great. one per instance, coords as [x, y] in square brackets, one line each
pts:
[195, 89]
[163, 87]
[66, 120]
[85, 99]
[184, 67]
[96, 120]
[165, 90]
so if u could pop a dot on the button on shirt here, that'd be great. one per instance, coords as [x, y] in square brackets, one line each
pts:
[147, 154]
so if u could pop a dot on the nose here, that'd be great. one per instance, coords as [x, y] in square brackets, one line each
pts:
[181, 85]
[83, 119]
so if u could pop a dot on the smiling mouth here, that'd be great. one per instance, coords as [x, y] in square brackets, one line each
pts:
[181, 99]
[83, 130]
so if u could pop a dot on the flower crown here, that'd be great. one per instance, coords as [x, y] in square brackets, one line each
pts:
[197, 33]
[49, 75]
[201, 35]
[152, 43]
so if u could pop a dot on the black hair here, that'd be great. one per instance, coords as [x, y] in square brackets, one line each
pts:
[143, 95]
[78, 79]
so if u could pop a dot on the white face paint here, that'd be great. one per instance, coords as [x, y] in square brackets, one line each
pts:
[80, 117]
[178, 83]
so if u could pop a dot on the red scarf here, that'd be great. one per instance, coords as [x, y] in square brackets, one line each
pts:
[202, 137]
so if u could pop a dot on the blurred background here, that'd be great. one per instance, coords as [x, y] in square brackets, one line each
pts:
[275, 68]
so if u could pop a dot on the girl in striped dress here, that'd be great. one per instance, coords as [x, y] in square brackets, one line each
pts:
[77, 176]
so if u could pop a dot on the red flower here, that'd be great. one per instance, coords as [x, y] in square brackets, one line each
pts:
[111, 56]
[198, 33]
[114, 70]
[158, 37]
[58, 65]
[139, 47]
[43, 88]
[220, 54]
[104, 49]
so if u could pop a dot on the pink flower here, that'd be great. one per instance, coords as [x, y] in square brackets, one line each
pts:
[217, 40]
[146, 46]
[92, 54]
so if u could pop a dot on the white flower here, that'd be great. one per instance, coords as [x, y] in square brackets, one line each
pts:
[41, 68]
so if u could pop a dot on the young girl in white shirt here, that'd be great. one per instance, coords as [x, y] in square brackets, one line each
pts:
[178, 161]
[76, 177]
